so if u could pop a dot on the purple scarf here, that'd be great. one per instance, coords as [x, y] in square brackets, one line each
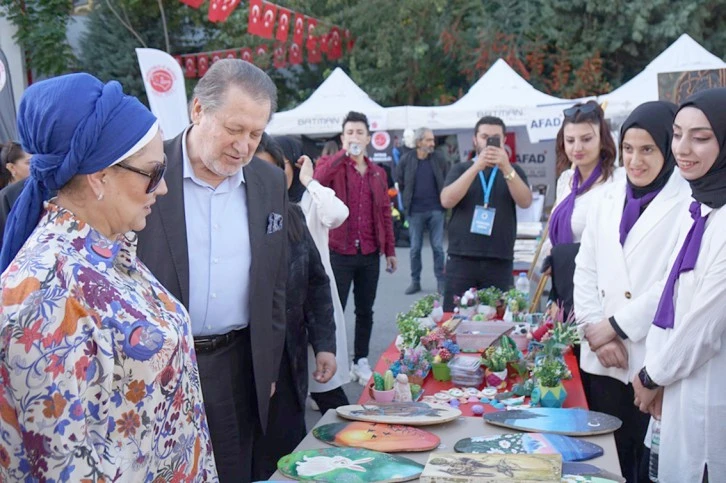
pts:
[633, 208]
[561, 219]
[685, 262]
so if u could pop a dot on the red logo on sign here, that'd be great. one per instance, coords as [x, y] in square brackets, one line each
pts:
[381, 140]
[161, 79]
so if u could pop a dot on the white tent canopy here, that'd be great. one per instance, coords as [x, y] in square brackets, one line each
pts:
[682, 55]
[499, 92]
[323, 112]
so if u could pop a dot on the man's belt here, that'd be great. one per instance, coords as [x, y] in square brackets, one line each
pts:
[210, 343]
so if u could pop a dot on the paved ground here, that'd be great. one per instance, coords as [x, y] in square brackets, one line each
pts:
[390, 300]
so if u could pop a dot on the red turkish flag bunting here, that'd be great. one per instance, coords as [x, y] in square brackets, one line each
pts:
[283, 24]
[323, 42]
[349, 40]
[280, 56]
[254, 20]
[311, 38]
[220, 10]
[216, 56]
[190, 66]
[230, 54]
[268, 20]
[298, 32]
[178, 58]
[202, 64]
[335, 44]
[314, 55]
[261, 59]
[193, 3]
[246, 54]
[295, 54]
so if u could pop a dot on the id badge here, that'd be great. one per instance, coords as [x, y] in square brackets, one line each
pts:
[483, 221]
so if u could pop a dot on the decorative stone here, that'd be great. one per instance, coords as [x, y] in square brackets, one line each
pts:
[455, 392]
[485, 400]
[477, 409]
[454, 403]
[473, 399]
[489, 392]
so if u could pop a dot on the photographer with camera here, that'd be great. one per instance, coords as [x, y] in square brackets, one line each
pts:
[482, 195]
[357, 244]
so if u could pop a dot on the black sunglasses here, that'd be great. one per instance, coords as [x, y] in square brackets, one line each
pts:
[155, 176]
[586, 108]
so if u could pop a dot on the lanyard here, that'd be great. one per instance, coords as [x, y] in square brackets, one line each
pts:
[487, 187]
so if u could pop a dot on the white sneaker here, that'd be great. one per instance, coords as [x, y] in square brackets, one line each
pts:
[314, 405]
[361, 371]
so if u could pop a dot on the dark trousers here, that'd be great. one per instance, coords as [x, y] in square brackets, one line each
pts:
[463, 273]
[362, 271]
[230, 402]
[418, 223]
[610, 396]
[332, 399]
[286, 425]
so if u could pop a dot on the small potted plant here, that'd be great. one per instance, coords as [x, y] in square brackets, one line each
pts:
[440, 365]
[549, 373]
[415, 363]
[487, 299]
[466, 304]
[495, 360]
[383, 387]
[410, 330]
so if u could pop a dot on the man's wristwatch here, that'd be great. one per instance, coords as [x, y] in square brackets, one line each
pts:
[512, 174]
[646, 381]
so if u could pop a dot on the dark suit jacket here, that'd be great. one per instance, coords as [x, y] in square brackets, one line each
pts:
[163, 248]
[8, 196]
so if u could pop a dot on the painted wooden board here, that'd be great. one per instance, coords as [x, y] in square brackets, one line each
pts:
[388, 438]
[567, 421]
[572, 471]
[412, 414]
[571, 449]
[352, 465]
[522, 468]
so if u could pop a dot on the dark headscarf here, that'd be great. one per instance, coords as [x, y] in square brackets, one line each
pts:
[293, 150]
[656, 118]
[710, 189]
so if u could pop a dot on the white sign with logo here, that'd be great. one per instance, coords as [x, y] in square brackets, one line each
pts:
[164, 83]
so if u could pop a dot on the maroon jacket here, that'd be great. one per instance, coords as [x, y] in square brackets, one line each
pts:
[330, 171]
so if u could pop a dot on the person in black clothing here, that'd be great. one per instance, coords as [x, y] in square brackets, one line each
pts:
[483, 194]
[420, 175]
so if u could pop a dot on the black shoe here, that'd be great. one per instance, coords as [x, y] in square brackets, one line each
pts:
[413, 288]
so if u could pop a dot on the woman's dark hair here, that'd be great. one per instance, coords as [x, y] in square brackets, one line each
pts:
[295, 226]
[330, 148]
[10, 152]
[292, 149]
[589, 112]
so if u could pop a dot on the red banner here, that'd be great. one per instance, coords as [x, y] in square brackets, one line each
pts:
[314, 55]
[178, 58]
[202, 64]
[335, 44]
[349, 40]
[295, 54]
[190, 66]
[280, 55]
[268, 20]
[220, 10]
[254, 20]
[216, 56]
[311, 38]
[283, 24]
[323, 43]
[246, 54]
[193, 3]
[298, 33]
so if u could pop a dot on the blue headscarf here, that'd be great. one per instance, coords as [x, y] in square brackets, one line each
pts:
[72, 124]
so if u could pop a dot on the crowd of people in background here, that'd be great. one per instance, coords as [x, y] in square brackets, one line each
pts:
[167, 307]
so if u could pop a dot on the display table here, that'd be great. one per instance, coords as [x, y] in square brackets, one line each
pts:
[464, 427]
[575, 392]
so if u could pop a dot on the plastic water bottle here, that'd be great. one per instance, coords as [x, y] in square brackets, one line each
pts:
[522, 284]
[654, 448]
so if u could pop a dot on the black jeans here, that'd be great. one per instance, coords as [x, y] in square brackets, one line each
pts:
[463, 273]
[610, 396]
[362, 271]
[332, 399]
[230, 401]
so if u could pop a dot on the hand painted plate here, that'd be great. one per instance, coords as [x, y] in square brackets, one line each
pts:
[388, 438]
[460, 467]
[571, 449]
[575, 472]
[352, 465]
[570, 422]
[412, 414]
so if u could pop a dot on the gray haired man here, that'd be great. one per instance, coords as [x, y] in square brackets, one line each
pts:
[218, 242]
[420, 175]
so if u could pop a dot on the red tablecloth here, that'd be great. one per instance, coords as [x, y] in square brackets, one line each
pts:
[575, 391]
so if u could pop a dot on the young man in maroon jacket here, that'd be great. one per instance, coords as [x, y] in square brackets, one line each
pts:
[356, 245]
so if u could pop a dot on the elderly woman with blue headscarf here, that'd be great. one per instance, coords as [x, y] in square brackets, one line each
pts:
[98, 376]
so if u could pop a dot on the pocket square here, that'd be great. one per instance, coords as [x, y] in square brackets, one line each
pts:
[274, 223]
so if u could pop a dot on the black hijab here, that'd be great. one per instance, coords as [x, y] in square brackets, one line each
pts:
[657, 118]
[293, 150]
[710, 189]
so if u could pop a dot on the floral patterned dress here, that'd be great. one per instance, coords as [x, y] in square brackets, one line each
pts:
[98, 374]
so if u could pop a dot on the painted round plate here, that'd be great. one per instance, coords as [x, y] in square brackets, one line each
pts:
[571, 449]
[352, 465]
[412, 414]
[570, 421]
[388, 438]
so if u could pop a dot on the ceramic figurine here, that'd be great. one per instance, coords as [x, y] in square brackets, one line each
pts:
[402, 390]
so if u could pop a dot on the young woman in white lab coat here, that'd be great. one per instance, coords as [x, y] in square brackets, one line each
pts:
[682, 381]
[625, 249]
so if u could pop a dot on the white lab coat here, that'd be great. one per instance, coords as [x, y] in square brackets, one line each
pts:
[608, 276]
[688, 360]
[323, 212]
